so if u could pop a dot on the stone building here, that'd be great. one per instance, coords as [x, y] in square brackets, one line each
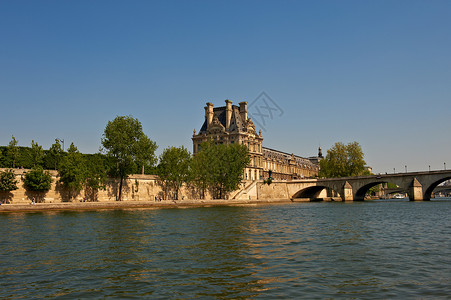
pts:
[230, 124]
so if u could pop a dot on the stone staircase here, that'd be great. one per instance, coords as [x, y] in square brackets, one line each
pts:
[248, 192]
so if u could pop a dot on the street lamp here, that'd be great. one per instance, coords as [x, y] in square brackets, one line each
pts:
[429, 168]
[405, 168]
[60, 140]
[394, 170]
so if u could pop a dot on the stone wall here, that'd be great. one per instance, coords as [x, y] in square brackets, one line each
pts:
[277, 190]
[135, 188]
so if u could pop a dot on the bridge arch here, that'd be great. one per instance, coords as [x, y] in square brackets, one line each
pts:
[432, 186]
[312, 192]
[363, 190]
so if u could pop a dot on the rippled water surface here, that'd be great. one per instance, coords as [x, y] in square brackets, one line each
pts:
[369, 250]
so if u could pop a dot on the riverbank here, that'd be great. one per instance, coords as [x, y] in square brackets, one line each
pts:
[4, 208]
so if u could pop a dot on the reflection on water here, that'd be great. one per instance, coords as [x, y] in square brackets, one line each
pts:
[365, 250]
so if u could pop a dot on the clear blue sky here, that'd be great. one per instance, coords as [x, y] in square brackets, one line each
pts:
[375, 72]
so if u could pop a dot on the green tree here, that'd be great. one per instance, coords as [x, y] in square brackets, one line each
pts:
[174, 169]
[8, 181]
[13, 150]
[199, 173]
[38, 180]
[125, 142]
[72, 171]
[343, 161]
[54, 155]
[37, 154]
[143, 148]
[95, 177]
[224, 165]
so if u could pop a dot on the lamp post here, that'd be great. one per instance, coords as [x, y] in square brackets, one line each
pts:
[429, 168]
[60, 140]
[394, 170]
[405, 168]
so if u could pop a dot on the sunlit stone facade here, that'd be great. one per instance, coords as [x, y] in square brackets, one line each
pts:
[230, 124]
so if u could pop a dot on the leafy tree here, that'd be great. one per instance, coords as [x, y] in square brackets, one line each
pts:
[343, 161]
[8, 181]
[224, 166]
[174, 169]
[38, 180]
[73, 171]
[391, 185]
[95, 176]
[13, 150]
[143, 148]
[37, 154]
[54, 155]
[125, 142]
[200, 173]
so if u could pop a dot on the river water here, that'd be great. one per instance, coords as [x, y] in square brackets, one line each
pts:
[362, 250]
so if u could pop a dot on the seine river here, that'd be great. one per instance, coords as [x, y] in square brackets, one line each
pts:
[363, 250]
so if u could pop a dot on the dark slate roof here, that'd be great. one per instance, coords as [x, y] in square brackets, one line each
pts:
[219, 112]
[204, 127]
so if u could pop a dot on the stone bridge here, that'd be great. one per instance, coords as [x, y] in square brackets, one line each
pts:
[417, 185]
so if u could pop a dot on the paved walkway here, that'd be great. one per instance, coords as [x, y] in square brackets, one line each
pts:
[129, 204]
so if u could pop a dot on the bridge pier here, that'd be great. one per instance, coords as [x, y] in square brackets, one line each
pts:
[347, 193]
[419, 186]
[415, 191]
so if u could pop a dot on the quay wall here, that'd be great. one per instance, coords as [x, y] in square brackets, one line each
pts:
[135, 188]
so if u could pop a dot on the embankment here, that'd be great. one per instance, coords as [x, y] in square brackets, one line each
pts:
[81, 206]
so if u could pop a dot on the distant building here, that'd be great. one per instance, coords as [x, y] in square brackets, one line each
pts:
[230, 124]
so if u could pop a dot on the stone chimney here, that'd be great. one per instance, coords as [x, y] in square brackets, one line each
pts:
[243, 111]
[228, 113]
[209, 114]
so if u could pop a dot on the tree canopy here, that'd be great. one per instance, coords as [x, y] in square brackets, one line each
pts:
[13, 150]
[54, 155]
[343, 161]
[125, 142]
[8, 181]
[73, 171]
[174, 169]
[37, 154]
[220, 167]
[38, 180]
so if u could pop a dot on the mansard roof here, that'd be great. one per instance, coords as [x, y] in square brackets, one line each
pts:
[236, 123]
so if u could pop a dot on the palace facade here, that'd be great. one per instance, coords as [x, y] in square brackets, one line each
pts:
[230, 124]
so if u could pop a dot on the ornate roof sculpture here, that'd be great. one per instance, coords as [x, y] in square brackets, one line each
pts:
[230, 124]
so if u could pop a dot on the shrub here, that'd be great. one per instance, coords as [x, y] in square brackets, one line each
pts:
[38, 180]
[8, 181]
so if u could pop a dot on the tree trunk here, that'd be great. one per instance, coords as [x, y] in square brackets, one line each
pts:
[120, 189]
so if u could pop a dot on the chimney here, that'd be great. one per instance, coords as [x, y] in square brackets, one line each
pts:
[209, 114]
[243, 111]
[228, 113]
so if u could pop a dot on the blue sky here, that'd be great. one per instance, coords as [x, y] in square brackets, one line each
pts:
[375, 72]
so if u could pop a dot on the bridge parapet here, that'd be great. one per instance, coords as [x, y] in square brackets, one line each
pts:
[418, 185]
